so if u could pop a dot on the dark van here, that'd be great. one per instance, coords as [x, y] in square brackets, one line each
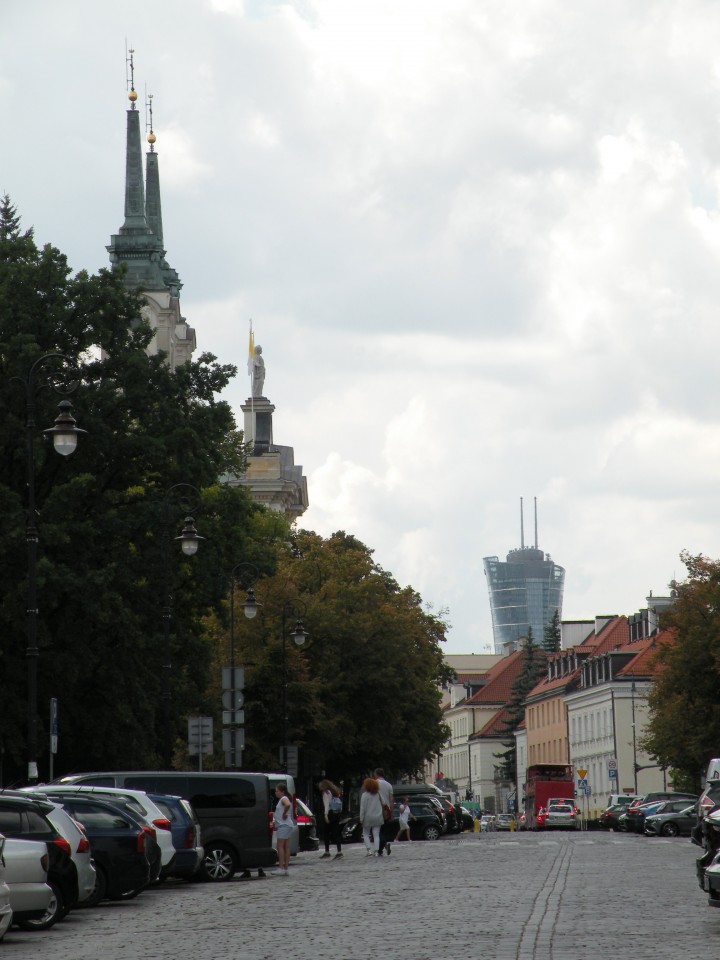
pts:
[233, 810]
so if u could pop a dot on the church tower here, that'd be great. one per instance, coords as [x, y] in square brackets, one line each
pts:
[140, 246]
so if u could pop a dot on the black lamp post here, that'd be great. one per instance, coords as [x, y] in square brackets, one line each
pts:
[65, 436]
[244, 574]
[291, 608]
[184, 497]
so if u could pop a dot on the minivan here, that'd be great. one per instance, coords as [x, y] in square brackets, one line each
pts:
[234, 811]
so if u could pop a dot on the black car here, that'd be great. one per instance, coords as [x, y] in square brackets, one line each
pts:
[424, 823]
[467, 819]
[454, 821]
[122, 847]
[25, 818]
[610, 819]
[435, 803]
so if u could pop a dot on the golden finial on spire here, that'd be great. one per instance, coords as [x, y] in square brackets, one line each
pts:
[151, 138]
[130, 74]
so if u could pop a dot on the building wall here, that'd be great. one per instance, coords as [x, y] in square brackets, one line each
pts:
[546, 726]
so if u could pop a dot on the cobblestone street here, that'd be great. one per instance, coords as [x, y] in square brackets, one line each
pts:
[493, 896]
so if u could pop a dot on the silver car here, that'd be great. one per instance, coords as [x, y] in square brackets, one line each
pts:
[81, 853]
[26, 866]
[561, 815]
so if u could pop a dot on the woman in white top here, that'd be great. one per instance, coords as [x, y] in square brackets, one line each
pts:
[405, 815]
[284, 823]
[371, 815]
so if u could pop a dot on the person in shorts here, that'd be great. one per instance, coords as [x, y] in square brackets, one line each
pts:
[284, 823]
[405, 817]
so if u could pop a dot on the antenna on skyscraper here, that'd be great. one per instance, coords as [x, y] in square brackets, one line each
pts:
[522, 526]
[536, 546]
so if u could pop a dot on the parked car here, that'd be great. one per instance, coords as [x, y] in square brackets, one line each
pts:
[25, 818]
[435, 803]
[307, 827]
[452, 821]
[505, 821]
[672, 819]
[26, 867]
[488, 822]
[559, 816]
[120, 842]
[233, 810]
[468, 820]
[75, 836]
[610, 819]
[140, 803]
[424, 823]
[634, 818]
[186, 834]
[5, 908]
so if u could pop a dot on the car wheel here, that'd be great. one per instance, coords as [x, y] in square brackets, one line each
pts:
[670, 830]
[219, 863]
[100, 891]
[431, 833]
[55, 911]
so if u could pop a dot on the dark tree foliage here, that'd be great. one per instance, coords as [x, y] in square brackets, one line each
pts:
[107, 560]
[551, 636]
[364, 691]
[533, 668]
[684, 728]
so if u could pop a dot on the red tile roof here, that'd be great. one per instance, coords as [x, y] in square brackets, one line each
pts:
[501, 677]
[495, 727]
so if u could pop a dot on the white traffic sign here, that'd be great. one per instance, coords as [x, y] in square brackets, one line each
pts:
[612, 764]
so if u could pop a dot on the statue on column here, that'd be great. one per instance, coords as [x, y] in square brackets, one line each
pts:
[258, 373]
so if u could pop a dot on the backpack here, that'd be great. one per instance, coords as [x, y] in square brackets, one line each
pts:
[335, 804]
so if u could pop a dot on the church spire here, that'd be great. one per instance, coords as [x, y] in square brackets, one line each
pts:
[153, 206]
[135, 244]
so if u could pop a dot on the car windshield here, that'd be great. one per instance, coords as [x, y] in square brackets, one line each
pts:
[560, 808]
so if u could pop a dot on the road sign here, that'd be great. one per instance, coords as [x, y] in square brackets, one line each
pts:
[200, 735]
[581, 774]
[233, 717]
[227, 739]
[239, 678]
[612, 764]
[612, 774]
[582, 782]
[586, 789]
[228, 698]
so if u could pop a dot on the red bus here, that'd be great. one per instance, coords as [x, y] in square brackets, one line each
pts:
[544, 782]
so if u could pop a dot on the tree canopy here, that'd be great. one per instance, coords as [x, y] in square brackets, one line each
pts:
[106, 558]
[533, 666]
[684, 728]
[364, 691]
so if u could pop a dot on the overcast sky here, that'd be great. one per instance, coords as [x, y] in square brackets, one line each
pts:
[479, 242]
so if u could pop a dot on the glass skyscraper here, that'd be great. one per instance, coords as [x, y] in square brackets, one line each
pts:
[525, 591]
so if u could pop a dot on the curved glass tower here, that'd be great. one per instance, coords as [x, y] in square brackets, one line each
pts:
[525, 591]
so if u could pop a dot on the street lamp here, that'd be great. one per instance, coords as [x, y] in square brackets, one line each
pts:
[293, 608]
[242, 573]
[185, 498]
[65, 436]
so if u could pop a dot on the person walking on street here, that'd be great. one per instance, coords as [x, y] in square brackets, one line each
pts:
[386, 798]
[332, 808]
[405, 818]
[371, 816]
[284, 823]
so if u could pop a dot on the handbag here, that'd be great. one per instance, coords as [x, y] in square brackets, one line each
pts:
[387, 812]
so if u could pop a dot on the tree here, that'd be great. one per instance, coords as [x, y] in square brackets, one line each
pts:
[365, 690]
[551, 635]
[684, 727]
[103, 570]
[533, 667]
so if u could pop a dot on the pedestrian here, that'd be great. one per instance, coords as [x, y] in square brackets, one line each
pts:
[371, 816]
[332, 808]
[284, 823]
[386, 798]
[405, 817]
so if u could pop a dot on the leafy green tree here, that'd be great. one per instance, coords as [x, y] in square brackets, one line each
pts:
[364, 690]
[684, 727]
[533, 667]
[551, 635]
[107, 561]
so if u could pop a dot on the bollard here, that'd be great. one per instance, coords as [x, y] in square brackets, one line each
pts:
[476, 825]
[512, 825]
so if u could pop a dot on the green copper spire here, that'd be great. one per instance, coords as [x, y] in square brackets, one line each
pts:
[135, 244]
[153, 206]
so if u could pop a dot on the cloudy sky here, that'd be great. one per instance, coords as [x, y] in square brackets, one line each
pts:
[479, 242]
